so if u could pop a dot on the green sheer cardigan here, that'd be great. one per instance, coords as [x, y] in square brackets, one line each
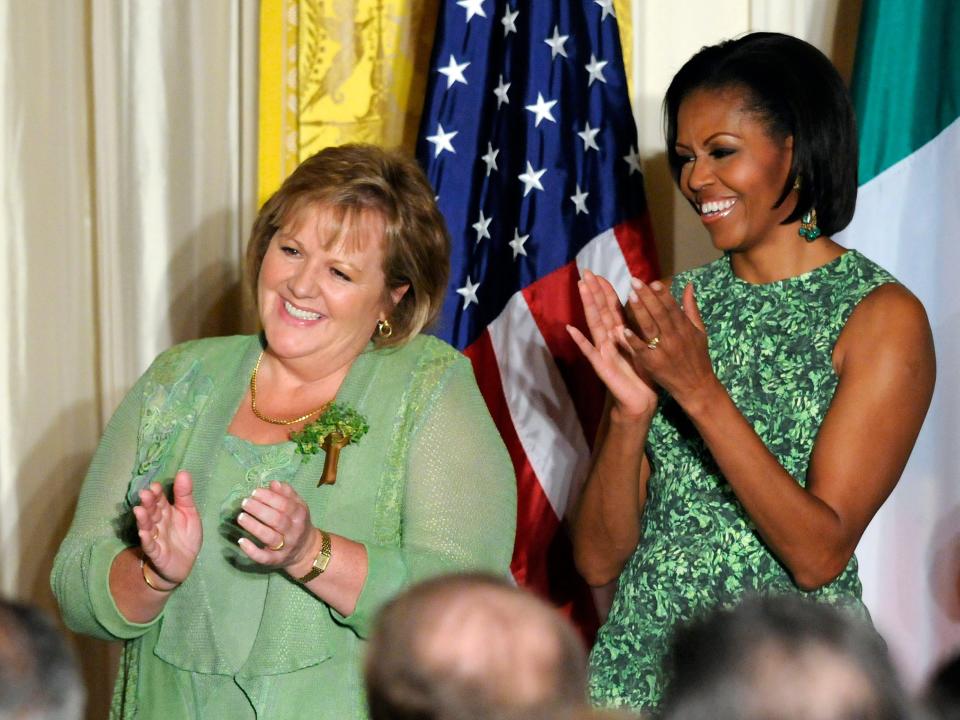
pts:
[429, 489]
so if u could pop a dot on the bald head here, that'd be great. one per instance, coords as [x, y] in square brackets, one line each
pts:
[472, 646]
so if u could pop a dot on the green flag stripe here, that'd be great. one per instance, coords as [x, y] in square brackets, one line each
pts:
[906, 80]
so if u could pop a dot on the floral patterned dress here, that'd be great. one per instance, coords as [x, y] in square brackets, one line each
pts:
[771, 346]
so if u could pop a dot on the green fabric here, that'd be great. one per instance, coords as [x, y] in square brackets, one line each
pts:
[906, 80]
[771, 347]
[430, 488]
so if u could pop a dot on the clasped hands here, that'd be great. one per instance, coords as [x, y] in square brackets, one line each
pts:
[651, 342]
[171, 534]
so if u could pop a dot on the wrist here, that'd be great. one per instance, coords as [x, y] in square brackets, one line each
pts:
[302, 565]
[697, 403]
[153, 579]
[630, 420]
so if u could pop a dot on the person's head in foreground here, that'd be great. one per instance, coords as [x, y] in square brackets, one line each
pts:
[473, 646]
[38, 675]
[782, 657]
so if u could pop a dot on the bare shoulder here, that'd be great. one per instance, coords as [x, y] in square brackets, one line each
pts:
[889, 324]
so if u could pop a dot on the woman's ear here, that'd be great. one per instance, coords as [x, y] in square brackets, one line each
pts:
[396, 295]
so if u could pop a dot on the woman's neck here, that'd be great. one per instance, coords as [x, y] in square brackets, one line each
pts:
[783, 258]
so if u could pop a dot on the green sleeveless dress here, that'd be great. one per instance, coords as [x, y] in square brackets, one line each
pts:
[771, 347]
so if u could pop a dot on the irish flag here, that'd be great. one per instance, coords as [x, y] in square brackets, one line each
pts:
[906, 89]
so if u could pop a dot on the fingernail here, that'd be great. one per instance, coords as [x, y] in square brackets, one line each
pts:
[241, 541]
[254, 493]
[656, 285]
[634, 297]
[636, 282]
[243, 503]
[627, 332]
[242, 516]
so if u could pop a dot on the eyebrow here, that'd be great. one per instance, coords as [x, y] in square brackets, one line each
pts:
[723, 132]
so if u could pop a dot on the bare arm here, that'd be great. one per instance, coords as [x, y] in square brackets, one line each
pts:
[606, 521]
[885, 362]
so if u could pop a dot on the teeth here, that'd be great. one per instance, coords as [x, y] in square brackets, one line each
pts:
[716, 206]
[300, 314]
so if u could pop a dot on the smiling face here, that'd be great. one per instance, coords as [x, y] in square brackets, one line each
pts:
[733, 170]
[321, 287]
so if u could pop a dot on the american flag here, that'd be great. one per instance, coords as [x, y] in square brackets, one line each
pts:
[529, 141]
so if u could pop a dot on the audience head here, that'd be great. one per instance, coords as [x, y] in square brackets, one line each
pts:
[473, 647]
[785, 658]
[38, 675]
[798, 93]
[943, 693]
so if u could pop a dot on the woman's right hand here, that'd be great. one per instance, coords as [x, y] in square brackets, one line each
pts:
[633, 394]
[170, 535]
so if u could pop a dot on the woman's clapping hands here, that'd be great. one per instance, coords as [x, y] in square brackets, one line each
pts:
[279, 518]
[170, 534]
[612, 358]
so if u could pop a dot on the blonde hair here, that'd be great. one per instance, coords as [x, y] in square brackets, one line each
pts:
[354, 179]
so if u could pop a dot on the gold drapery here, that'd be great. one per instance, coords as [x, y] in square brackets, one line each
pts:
[337, 71]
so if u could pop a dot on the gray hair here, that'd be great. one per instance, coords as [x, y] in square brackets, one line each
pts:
[38, 673]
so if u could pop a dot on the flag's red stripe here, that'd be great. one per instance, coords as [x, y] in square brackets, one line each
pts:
[635, 237]
[536, 520]
[542, 556]
[555, 302]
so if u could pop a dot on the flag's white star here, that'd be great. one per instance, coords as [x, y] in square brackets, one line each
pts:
[556, 43]
[469, 293]
[595, 68]
[482, 226]
[531, 179]
[633, 160]
[542, 110]
[509, 21]
[607, 6]
[454, 72]
[490, 158]
[442, 140]
[589, 137]
[473, 7]
[517, 243]
[580, 200]
[501, 92]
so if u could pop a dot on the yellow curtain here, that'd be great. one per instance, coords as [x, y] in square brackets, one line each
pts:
[337, 71]
[624, 12]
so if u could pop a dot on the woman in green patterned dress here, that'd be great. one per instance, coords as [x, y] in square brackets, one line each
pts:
[249, 593]
[762, 407]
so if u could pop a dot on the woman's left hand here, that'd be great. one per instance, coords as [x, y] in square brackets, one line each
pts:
[279, 518]
[672, 346]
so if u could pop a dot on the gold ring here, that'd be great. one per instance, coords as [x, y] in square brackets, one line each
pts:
[279, 545]
[156, 534]
[653, 342]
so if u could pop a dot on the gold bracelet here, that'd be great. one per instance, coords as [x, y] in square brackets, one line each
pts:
[143, 571]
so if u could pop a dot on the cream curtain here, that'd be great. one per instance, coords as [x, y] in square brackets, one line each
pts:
[127, 142]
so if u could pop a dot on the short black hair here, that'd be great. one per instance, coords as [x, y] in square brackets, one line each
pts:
[777, 656]
[798, 93]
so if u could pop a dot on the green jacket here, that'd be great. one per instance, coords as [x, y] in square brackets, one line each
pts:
[429, 489]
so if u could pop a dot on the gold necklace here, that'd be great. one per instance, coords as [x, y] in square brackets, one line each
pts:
[266, 418]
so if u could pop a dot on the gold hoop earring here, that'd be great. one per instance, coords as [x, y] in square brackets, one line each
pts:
[384, 329]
